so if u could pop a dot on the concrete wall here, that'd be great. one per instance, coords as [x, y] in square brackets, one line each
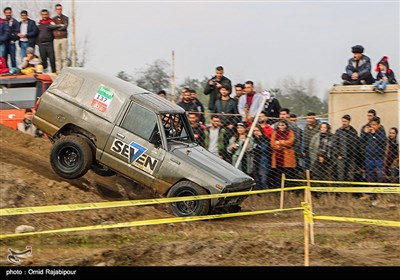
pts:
[357, 100]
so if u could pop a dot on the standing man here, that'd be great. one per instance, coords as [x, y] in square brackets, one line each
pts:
[238, 92]
[374, 143]
[358, 69]
[14, 28]
[186, 101]
[28, 32]
[311, 128]
[345, 149]
[199, 106]
[249, 103]
[214, 84]
[60, 22]
[45, 41]
[4, 37]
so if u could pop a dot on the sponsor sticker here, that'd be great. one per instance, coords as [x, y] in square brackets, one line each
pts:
[135, 155]
[102, 99]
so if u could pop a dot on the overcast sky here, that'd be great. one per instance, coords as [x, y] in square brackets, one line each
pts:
[263, 41]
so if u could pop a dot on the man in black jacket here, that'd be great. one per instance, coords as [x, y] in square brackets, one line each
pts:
[45, 40]
[214, 84]
[27, 33]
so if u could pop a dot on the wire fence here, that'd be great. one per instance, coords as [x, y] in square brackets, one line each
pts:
[266, 148]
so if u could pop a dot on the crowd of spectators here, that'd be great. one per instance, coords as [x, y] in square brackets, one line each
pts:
[279, 146]
[43, 46]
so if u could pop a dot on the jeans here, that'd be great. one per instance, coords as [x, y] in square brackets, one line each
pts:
[3, 50]
[23, 46]
[381, 84]
[10, 51]
[374, 169]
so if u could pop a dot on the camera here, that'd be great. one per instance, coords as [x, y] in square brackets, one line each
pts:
[214, 82]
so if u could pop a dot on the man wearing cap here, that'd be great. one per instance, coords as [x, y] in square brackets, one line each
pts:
[358, 69]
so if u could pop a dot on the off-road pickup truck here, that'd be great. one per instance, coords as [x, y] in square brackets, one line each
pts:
[103, 123]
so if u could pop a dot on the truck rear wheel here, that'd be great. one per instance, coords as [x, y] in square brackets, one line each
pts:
[188, 208]
[71, 157]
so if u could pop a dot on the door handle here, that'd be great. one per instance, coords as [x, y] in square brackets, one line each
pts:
[120, 135]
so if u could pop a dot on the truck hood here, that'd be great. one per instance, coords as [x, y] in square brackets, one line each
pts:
[213, 166]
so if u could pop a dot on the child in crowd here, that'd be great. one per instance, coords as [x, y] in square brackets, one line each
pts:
[385, 75]
[31, 63]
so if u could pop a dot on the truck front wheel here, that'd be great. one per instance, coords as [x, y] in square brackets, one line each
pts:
[71, 157]
[188, 208]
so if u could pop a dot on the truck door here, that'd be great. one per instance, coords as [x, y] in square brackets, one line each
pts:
[132, 149]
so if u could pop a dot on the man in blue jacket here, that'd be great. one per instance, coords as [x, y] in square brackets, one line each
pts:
[4, 37]
[374, 143]
[13, 24]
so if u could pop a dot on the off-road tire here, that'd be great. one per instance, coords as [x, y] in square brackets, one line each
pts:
[71, 157]
[188, 208]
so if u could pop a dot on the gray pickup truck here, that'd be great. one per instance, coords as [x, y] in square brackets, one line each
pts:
[102, 123]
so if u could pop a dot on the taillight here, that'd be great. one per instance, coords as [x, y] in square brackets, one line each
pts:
[37, 103]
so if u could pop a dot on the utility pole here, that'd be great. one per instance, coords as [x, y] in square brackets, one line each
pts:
[173, 78]
[73, 38]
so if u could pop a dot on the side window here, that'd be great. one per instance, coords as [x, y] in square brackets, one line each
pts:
[139, 121]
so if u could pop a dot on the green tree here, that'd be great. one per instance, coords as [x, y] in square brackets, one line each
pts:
[300, 97]
[154, 77]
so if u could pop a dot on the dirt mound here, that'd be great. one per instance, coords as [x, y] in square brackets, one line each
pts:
[27, 179]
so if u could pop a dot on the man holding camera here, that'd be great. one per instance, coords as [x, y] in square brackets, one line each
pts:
[214, 84]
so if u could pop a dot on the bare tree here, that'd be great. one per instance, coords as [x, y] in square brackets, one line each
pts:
[154, 77]
[299, 97]
[124, 76]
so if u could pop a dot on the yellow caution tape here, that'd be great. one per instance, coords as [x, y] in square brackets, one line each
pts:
[307, 212]
[359, 220]
[357, 189]
[150, 222]
[346, 183]
[111, 204]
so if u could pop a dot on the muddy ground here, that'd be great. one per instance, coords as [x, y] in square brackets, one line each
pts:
[26, 179]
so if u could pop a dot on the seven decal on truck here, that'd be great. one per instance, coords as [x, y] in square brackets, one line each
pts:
[135, 154]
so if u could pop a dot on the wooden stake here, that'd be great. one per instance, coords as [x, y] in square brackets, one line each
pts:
[309, 200]
[282, 189]
[306, 234]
